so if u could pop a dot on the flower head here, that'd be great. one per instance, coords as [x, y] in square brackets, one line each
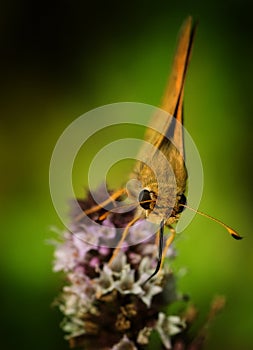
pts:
[108, 306]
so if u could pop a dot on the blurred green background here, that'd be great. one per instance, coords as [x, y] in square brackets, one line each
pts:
[60, 59]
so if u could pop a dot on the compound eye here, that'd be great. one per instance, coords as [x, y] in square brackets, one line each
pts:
[145, 196]
[182, 200]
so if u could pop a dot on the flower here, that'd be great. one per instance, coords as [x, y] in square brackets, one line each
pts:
[168, 326]
[110, 305]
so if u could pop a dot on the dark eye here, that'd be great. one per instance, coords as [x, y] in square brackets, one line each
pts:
[145, 196]
[182, 200]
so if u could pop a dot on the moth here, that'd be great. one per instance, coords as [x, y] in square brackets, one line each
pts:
[163, 179]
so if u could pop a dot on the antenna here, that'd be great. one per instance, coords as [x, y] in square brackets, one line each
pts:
[231, 231]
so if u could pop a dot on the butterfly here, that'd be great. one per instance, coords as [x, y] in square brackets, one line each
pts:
[162, 172]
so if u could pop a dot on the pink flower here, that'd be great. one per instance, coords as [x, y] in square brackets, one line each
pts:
[110, 306]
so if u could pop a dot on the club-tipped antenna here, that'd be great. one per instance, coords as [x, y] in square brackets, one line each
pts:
[231, 231]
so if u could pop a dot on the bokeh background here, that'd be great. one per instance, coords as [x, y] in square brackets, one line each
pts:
[60, 59]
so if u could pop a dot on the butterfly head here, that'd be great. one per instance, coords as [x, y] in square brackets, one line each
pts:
[166, 207]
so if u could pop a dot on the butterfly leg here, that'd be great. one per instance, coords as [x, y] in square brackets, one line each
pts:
[124, 235]
[169, 242]
[96, 208]
[104, 216]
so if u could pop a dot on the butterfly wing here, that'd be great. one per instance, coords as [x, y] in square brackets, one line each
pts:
[170, 139]
[172, 101]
